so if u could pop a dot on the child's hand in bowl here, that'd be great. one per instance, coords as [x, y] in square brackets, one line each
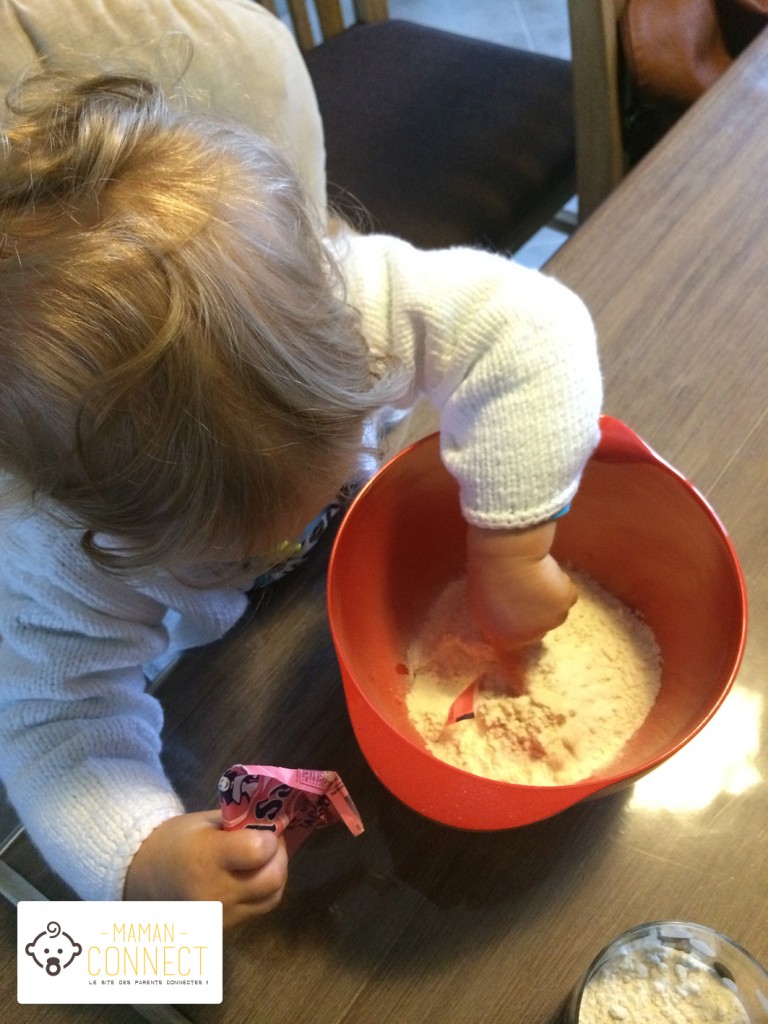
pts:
[517, 592]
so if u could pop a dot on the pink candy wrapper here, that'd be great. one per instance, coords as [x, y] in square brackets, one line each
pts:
[291, 800]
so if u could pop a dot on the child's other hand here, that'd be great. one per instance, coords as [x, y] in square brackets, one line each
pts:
[191, 857]
[517, 591]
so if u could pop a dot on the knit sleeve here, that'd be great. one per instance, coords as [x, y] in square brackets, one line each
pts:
[79, 734]
[508, 356]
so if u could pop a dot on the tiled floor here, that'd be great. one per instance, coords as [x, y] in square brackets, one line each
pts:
[540, 25]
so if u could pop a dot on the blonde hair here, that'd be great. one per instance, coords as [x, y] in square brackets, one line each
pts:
[178, 356]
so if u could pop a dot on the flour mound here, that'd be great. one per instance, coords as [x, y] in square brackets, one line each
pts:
[659, 985]
[589, 686]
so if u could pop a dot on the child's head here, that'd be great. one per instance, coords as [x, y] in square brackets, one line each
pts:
[179, 365]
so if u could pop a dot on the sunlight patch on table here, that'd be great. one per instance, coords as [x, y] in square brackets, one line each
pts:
[721, 759]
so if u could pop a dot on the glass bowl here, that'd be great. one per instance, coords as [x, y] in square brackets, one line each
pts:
[671, 971]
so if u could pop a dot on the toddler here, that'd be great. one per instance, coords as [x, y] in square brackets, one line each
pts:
[190, 371]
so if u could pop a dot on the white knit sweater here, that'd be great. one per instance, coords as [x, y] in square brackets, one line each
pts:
[506, 354]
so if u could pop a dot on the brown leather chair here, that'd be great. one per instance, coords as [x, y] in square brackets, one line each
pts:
[637, 66]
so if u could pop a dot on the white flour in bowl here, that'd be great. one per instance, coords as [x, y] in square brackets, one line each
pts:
[589, 686]
[659, 985]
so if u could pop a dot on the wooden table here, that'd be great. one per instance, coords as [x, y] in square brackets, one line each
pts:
[413, 923]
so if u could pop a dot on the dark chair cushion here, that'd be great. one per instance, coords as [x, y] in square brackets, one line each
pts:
[442, 139]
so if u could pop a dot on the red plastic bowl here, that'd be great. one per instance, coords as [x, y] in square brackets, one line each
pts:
[637, 526]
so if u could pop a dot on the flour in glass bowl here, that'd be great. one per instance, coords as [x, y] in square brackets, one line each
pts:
[659, 985]
[589, 686]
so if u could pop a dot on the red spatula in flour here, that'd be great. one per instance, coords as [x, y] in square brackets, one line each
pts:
[464, 705]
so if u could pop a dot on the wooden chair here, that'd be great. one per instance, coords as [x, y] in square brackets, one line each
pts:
[432, 136]
[601, 161]
[329, 19]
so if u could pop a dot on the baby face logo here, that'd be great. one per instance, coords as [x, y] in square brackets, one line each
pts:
[53, 949]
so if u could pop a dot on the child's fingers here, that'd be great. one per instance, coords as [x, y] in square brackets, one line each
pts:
[255, 862]
[261, 889]
[248, 849]
[242, 849]
[238, 911]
